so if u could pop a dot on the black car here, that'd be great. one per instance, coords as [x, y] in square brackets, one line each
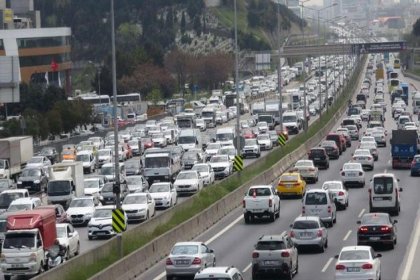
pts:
[108, 197]
[377, 228]
[319, 157]
[51, 153]
[33, 179]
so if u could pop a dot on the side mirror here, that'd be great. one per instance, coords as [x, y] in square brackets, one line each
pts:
[211, 251]
[358, 222]
[336, 256]
[401, 189]
[395, 222]
[398, 180]
[378, 256]
[291, 225]
[70, 234]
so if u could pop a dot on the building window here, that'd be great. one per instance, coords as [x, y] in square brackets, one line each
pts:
[43, 42]
[26, 61]
[1, 45]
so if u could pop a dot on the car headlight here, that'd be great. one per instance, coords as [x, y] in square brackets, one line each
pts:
[37, 181]
[141, 210]
[19, 182]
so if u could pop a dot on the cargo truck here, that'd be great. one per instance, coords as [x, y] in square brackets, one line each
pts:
[29, 236]
[15, 152]
[66, 182]
[404, 95]
[403, 148]
[379, 74]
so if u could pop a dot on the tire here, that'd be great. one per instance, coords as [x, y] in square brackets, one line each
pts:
[7, 277]
[147, 216]
[290, 274]
[214, 262]
[272, 217]
[297, 266]
[90, 237]
[246, 218]
[322, 249]
[78, 249]
[67, 257]
[326, 243]
[41, 269]
[278, 213]
[169, 277]
[335, 218]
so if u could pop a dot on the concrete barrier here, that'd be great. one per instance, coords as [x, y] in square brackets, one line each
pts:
[140, 260]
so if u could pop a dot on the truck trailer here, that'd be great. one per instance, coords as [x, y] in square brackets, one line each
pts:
[15, 152]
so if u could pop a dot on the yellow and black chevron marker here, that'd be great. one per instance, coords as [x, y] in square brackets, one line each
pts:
[118, 220]
[238, 163]
[282, 139]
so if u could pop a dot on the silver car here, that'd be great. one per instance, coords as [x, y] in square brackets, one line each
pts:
[364, 157]
[309, 231]
[187, 258]
[352, 174]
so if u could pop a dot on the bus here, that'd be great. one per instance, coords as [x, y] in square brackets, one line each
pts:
[93, 99]
[128, 98]
[397, 64]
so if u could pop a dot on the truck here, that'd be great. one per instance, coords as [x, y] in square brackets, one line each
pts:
[403, 148]
[185, 121]
[379, 74]
[29, 236]
[66, 182]
[404, 95]
[208, 114]
[261, 201]
[269, 119]
[15, 152]
[160, 165]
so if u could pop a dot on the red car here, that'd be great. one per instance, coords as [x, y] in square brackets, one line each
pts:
[147, 143]
[60, 213]
[249, 134]
[339, 140]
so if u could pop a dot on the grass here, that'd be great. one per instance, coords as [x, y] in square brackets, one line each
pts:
[208, 196]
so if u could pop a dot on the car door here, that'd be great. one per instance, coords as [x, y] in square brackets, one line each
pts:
[71, 238]
[205, 253]
[292, 249]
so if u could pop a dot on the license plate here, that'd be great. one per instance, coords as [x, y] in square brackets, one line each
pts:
[270, 262]
[183, 262]
[306, 235]
[317, 158]
[100, 233]
[377, 198]
[351, 175]
[362, 158]
[374, 238]
[258, 210]
[315, 210]
[17, 265]
[289, 185]
[353, 269]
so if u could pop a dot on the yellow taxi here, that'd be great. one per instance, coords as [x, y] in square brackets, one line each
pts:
[291, 183]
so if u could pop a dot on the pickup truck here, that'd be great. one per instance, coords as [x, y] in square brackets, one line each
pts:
[261, 201]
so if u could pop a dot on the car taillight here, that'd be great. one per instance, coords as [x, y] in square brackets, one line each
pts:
[343, 173]
[270, 202]
[340, 193]
[292, 234]
[244, 203]
[340, 267]
[285, 254]
[329, 209]
[319, 233]
[311, 169]
[360, 173]
[255, 255]
[369, 158]
[196, 261]
[303, 210]
[363, 229]
[386, 229]
[169, 261]
[367, 266]
[296, 184]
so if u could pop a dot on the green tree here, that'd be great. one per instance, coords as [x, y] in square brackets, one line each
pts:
[197, 25]
[155, 96]
[128, 36]
[54, 122]
[416, 28]
[183, 23]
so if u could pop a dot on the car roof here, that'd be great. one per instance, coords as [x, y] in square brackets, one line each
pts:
[353, 248]
[384, 175]
[15, 191]
[316, 190]
[105, 207]
[307, 218]
[188, 243]
[276, 237]
[216, 272]
[24, 200]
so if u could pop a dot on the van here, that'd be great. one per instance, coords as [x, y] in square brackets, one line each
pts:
[402, 120]
[319, 202]
[384, 194]
[108, 171]
[416, 103]
[188, 139]
[225, 135]
[88, 160]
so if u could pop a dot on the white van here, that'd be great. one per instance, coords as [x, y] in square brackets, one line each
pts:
[319, 202]
[384, 194]
[225, 136]
[402, 120]
[188, 139]
[416, 103]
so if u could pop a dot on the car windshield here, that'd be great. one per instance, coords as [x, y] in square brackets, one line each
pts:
[68, 152]
[263, 137]
[186, 140]
[81, 203]
[31, 173]
[61, 232]
[107, 188]
[91, 184]
[35, 160]
[317, 152]
[289, 119]
[135, 199]
[213, 146]
[102, 153]
[132, 164]
[201, 168]
[107, 170]
[18, 207]
[133, 180]
[383, 185]
[102, 213]
[219, 159]
[190, 156]
[375, 219]
[186, 175]
[270, 245]
[46, 151]
[184, 250]
[156, 162]
[333, 185]
[354, 255]
[83, 157]
[305, 225]
[259, 192]
[328, 144]
[362, 153]
[159, 188]
[19, 240]
[4, 184]
[316, 198]
[250, 142]
[228, 151]
[289, 178]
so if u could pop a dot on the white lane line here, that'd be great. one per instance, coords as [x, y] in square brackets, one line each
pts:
[386, 170]
[361, 212]
[347, 235]
[411, 254]
[160, 276]
[327, 265]
[247, 268]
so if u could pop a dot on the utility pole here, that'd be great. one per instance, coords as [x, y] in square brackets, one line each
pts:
[279, 86]
[238, 107]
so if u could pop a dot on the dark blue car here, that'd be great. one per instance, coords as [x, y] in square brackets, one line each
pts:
[415, 165]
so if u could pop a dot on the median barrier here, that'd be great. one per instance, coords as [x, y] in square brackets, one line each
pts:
[135, 263]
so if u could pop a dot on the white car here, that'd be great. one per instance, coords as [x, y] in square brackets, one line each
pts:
[372, 147]
[251, 148]
[188, 181]
[339, 193]
[228, 150]
[101, 223]
[139, 206]
[212, 149]
[262, 127]
[358, 262]
[69, 238]
[264, 141]
[206, 172]
[369, 138]
[201, 124]
[81, 210]
[39, 161]
[352, 174]
[307, 170]
[164, 194]
[104, 156]
[159, 140]
[364, 157]
[221, 165]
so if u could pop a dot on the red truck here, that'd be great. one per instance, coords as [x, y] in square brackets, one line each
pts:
[30, 234]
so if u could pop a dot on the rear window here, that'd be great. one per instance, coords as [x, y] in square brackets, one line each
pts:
[270, 245]
[316, 199]
[355, 255]
[333, 137]
[259, 192]
[289, 178]
[305, 225]
[317, 152]
[383, 185]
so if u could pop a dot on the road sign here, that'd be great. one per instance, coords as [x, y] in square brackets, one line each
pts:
[382, 47]
[238, 163]
[282, 139]
[118, 220]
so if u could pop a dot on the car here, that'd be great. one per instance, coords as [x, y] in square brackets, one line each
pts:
[307, 170]
[358, 261]
[188, 181]
[107, 196]
[104, 156]
[133, 167]
[219, 272]
[352, 174]
[353, 132]
[24, 203]
[188, 258]
[345, 132]
[364, 157]
[212, 149]
[201, 124]
[60, 213]
[261, 201]
[377, 228]
[33, 179]
[139, 206]
[100, 225]
[51, 153]
[319, 202]
[136, 183]
[7, 196]
[80, 210]
[93, 186]
[291, 183]
[319, 157]
[339, 140]
[221, 165]
[230, 151]
[274, 255]
[415, 166]
[88, 159]
[274, 137]
[331, 148]
[69, 238]
[251, 148]
[7, 184]
[379, 138]
[249, 134]
[206, 172]
[164, 194]
[309, 231]
[39, 161]
[339, 193]
[264, 141]
[189, 158]
[372, 147]
[147, 143]
[262, 127]
[384, 194]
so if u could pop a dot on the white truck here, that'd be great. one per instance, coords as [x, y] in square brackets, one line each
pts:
[160, 165]
[15, 152]
[261, 201]
[66, 182]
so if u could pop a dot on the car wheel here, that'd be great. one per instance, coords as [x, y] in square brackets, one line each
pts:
[290, 274]
[326, 243]
[78, 249]
[214, 262]
[246, 218]
[272, 217]
[297, 266]
[7, 277]
[147, 216]
[322, 248]
[169, 277]
[335, 218]
[90, 237]
[41, 269]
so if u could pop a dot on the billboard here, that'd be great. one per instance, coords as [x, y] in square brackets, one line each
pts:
[9, 79]
[382, 47]
[262, 61]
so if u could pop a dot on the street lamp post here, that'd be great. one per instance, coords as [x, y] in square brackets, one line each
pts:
[279, 85]
[238, 111]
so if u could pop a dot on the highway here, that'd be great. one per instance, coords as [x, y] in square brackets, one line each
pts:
[233, 240]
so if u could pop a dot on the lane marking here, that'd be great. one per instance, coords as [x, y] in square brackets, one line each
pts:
[361, 212]
[347, 235]
[247, 268]
[327, 265]
[411, 253]
[160, 276]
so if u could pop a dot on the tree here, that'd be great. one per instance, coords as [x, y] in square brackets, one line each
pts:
[416, 28]
[197, 25]
[155, 96]
[177, 62]
[128, 36]
[183, 23]
[54, 122]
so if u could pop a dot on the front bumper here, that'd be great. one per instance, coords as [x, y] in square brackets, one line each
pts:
[30, 268]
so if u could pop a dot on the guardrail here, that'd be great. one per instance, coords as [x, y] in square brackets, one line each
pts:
[137, 262]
